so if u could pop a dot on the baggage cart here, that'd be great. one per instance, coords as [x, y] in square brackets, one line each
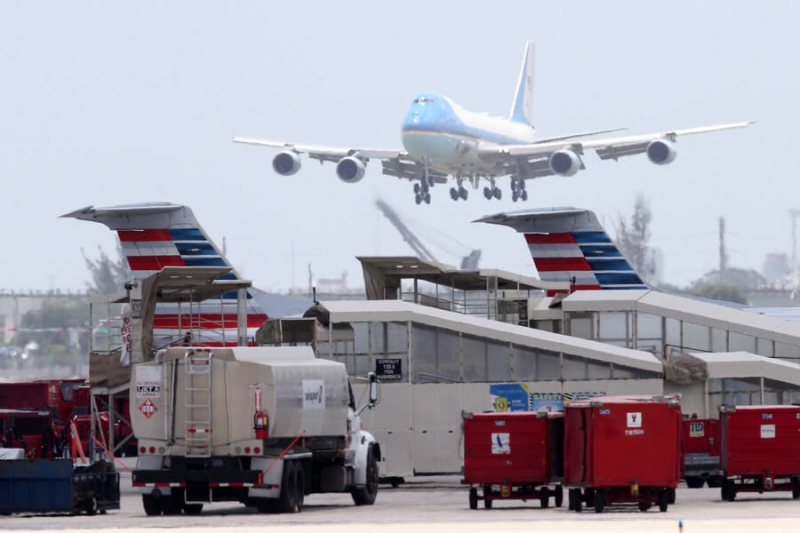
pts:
[759, 449]
[513, 456]
[57, 486]
[622, 449]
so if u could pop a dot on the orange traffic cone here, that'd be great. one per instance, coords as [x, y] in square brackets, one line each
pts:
[75, 443]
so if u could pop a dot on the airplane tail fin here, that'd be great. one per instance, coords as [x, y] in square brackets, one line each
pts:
[522, 106]
[570, 245]
[160, 234]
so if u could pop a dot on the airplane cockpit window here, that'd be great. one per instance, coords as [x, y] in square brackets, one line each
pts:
[423, 101]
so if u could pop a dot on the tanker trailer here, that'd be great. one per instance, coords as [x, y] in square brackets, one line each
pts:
[264, 426]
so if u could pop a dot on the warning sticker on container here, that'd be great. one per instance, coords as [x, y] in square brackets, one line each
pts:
[501, 443]
[313, 394]
[768, 431]
[697, 429]
[148, 381]
[634, 420]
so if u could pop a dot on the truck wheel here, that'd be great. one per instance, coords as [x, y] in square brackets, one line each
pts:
[544, 497]
[299, 486]
[366, 495]
[728, 491]
[672, 495]
[172, 505]
[473, 498]
[288, 498]
[193, 508]
[644, 506]
[151, 504]
[795, 488]
[559, 496]
[599, 500]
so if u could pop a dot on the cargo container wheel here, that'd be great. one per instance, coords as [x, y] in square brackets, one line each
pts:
[90, 506]
[599, 500]
[473, 498]
[575, 500]
[559, 497]
[728, 490]
[544, 497]
[487, 493]
[663, 500]
[694, 482]
[644, 506]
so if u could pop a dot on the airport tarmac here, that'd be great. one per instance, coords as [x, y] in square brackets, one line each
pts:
[440, 505]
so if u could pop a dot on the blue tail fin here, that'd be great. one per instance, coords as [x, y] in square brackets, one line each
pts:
[522, 106]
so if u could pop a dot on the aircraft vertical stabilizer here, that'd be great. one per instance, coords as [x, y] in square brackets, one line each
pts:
[160, 234]
[570, 245]
[522, 107]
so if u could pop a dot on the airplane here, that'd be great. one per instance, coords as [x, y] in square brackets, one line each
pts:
[442, 140]
[155, 235]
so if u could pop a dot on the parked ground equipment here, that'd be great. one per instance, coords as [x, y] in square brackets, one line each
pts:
[759, 449]
[700, 445]
[57, 486]
[623, 449]
[264, 426]
[513, 456]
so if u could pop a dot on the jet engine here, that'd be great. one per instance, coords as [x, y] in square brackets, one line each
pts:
[661, 152]
[286, 163]
[350, 169]
[565, 163]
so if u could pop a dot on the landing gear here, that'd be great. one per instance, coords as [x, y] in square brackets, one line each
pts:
[518, 191]
[422, 193]
[460, 192]
[492, 192]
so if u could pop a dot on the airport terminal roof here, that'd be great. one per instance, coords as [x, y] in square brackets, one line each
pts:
[400, 311]
[685, 308]
[380, 272]
[748, 365]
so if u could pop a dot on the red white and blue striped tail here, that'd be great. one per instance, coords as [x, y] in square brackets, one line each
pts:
[570, 245]
[159, 234]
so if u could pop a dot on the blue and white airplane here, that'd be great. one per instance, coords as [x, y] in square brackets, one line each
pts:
[444, 140]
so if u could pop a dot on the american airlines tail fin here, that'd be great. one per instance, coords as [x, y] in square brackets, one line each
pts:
[161, 234]
[522, 106]
[570, 245]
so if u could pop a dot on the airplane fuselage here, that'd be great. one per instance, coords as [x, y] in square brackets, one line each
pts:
[445, 135]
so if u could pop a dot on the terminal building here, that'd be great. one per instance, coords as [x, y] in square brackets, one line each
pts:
[445, 341]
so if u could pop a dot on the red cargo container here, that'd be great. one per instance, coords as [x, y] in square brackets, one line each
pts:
[513, 455]
[760, 449]
[700, 442]
[622, 449]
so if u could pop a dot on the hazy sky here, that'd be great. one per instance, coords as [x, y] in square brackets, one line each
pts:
[107, 103]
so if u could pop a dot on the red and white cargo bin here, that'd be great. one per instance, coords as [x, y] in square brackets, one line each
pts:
[760, 449]
[513, 455]
[622, 449]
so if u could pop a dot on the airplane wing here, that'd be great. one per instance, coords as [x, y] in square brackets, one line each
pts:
[396, 163]
[613, 148]
[325, 153]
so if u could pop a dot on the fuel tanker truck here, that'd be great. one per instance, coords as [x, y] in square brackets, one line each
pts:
[264, 426]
